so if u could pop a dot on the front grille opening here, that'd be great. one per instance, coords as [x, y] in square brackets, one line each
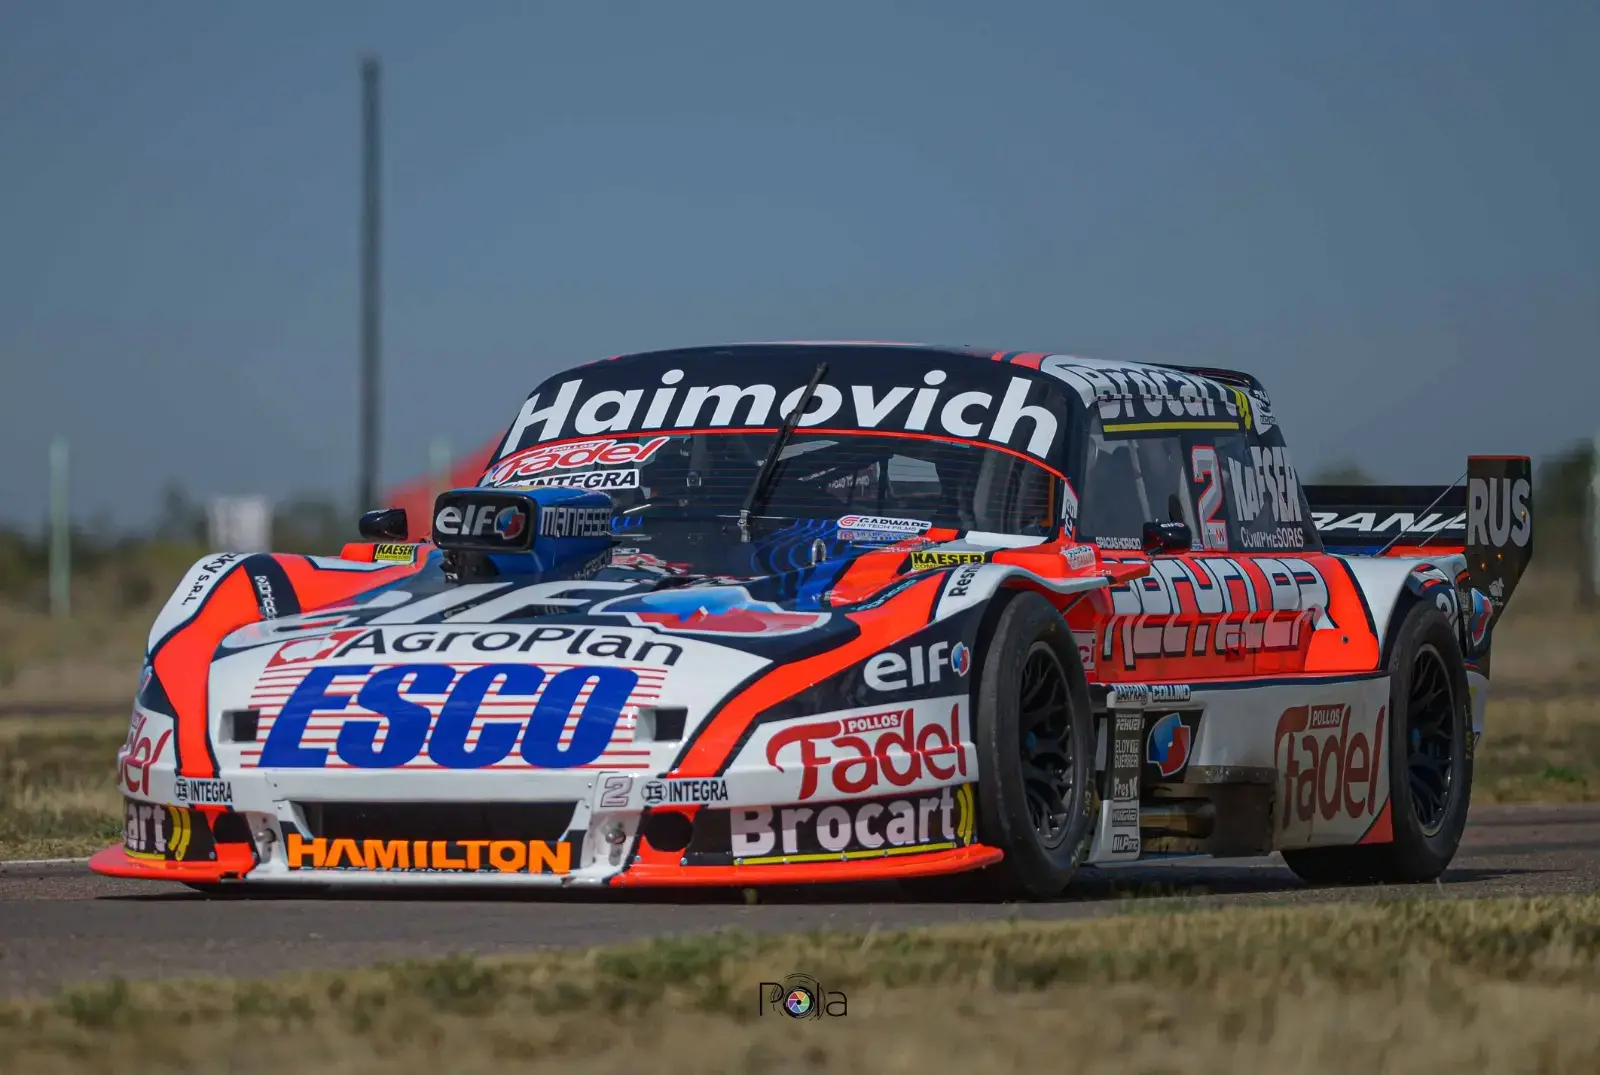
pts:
[660, 724]
[667, 831]
[231, 829]
[439, 821]
[240, 725]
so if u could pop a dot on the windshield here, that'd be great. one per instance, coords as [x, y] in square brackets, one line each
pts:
[867, 482]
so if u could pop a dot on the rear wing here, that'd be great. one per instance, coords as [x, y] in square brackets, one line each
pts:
[1363, 519]
[1489, 517]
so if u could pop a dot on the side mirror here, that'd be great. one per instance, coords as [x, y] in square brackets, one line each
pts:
[385, 524]
[1167, 537]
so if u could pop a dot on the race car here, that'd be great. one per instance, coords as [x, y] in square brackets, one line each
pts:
[770, 614]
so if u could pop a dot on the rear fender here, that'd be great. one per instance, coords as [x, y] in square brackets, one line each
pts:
[1391, 586]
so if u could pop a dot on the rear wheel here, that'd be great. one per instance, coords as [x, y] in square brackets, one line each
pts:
[1430, 769]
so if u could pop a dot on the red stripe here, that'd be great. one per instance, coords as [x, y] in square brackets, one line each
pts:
[184, 665]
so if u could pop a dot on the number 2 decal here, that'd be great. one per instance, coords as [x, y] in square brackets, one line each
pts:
[614, 791]
[1214, 531]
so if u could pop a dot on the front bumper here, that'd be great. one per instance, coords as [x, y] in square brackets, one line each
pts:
[242, 869]
[625, 831]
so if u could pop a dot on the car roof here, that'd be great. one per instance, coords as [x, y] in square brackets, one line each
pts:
[795, 345]
[1027, 359]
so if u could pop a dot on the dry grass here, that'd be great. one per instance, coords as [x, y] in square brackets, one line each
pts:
[87, 661]
[1539, 751]
[1429, 987]
[58, 795]
[92, 657]
[1549, 641]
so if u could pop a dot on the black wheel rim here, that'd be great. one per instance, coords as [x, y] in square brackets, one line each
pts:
[1430, 739]
[1045, 723]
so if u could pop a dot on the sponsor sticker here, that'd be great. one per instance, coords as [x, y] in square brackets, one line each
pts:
[1497, 512]
[920, 666]
[923, 561]
[560, 717]
[265, 601]
[542, 459]
[1086, 648]
[169, 833]
[195, 791]
[544, 642]
[860, 754]
[1334, 772]
[644, 561]
[394, 554]
[1170, 745]
[210, 571]
[1161, 616]
[872, 828]
[492, 523]
[141, 751]
[696, 792]
[884, 523]
[1265, 481]
[961, 581]
[871, 537]
[1140, 397]
[1127, 695]
[302, 650]
[564, 522]
[1022, 414]
[589, 479]
[429, 856]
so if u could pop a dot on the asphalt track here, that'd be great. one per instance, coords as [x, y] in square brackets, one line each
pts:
[61, 924]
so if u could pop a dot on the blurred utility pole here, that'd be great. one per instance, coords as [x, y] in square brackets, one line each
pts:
[60, 533]
[1592, 524]
[370, 307]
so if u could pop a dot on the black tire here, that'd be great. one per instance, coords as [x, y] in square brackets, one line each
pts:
[1430, 768]
[1029, 674]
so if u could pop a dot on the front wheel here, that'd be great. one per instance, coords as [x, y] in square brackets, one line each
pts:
[1430, 768]
[1035, 737]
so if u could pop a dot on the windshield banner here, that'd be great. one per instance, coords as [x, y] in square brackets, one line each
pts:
[948, 396]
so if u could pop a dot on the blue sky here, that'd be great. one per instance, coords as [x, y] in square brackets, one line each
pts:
[1385, 210]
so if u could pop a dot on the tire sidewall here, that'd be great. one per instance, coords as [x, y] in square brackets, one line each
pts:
[1025, 618]
[1425, 625]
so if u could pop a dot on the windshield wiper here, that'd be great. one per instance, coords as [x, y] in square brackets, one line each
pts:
[769, 466]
